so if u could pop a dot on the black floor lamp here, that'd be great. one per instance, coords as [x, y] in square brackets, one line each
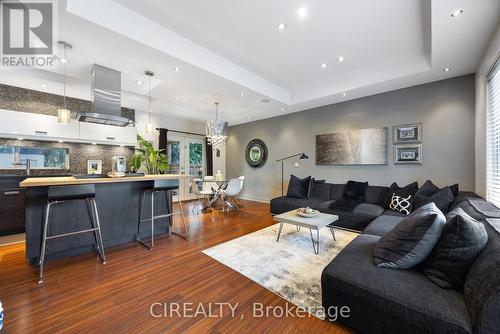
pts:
[302, 155]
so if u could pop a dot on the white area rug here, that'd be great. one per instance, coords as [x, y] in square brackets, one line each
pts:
[289, 267]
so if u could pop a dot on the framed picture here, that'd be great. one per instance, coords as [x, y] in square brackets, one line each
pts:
[408, 154]
[256, 153]
[94, 166]
[409, 133]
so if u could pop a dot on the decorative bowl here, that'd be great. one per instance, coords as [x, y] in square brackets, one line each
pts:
[307, 212]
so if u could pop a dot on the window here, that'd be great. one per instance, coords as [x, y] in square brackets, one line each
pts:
[41, 158]
[493, 136]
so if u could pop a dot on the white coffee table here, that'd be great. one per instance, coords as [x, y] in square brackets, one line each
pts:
[313, 223]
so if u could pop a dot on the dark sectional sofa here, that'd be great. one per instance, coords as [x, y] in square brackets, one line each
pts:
[385, 300]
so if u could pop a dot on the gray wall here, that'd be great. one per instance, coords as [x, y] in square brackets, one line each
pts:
[446, 109]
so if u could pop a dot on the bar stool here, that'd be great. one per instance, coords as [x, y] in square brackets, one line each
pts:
[61, 194]
[167, 187]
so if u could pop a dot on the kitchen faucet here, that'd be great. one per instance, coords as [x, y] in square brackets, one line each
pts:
[27, 163]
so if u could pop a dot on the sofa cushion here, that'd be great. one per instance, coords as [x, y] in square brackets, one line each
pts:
[409, 189]
[349, 220]
[389, 301]
[369, 210]
[482, 285]
[321, 190]
[337, 192]
[382, 225]
[284, 204]
[443, 198]
[376, 195]
[390, 212]
[412, 240]
[461, 241]
[298, 188]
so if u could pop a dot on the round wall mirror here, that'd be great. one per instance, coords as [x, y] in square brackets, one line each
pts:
[256, 153]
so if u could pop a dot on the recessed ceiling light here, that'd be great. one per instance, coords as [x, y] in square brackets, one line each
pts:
[177, 99]
[302, 12]
[177, 69]
[457, 13]
[281, 26]
[248, 117]
[340, 59]
[447, 69]
[344, 94]
[324, 65]
[139, 82]
[243, 94]
[43, 85]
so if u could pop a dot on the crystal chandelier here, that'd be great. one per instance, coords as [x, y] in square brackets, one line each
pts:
[216, 131]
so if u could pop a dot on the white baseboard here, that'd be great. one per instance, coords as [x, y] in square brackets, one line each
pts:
[256, 199]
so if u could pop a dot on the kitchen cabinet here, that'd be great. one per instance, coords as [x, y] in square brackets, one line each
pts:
[108, 134]
[35, 126]
[15, 124]
[12, 206]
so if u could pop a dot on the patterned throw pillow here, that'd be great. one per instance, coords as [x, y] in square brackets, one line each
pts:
[401, 204]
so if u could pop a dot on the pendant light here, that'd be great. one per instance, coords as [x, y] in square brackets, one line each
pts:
[149, 125]
[64, 114]
[216, 130]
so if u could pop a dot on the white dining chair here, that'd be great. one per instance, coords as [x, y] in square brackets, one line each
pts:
[201, 195]
[229, 195]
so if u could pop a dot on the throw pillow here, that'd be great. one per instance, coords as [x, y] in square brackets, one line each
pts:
[298, 188]
[409, 189]
[354, 195]
[454, 189]
[461, 241]
[412, 240]
[443, 198]
[401, 204]
[355, 191]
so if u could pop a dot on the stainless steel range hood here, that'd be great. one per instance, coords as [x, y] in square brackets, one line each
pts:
[106, 98]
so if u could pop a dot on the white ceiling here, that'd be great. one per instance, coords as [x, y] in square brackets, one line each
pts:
[226, 47]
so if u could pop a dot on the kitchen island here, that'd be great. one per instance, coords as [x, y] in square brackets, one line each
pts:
[118, 207]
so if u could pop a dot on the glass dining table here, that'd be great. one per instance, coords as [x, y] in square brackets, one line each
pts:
[217, 188]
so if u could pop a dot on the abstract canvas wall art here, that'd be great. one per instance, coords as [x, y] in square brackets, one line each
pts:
[353, 147]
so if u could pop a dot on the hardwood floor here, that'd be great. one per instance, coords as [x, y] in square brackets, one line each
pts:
[81, 295]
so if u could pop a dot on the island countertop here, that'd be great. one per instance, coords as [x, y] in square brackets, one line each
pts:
[69, 180]
[118, 203]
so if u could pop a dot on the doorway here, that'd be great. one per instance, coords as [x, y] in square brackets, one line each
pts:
[186, 156]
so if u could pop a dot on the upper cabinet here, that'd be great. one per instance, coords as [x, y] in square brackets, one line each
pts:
[15, 124]
[35, 126]
[108, 134]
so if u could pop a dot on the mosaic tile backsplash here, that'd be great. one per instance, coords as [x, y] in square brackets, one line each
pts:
[78, 156]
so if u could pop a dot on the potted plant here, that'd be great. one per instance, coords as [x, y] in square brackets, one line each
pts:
[154, 161]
